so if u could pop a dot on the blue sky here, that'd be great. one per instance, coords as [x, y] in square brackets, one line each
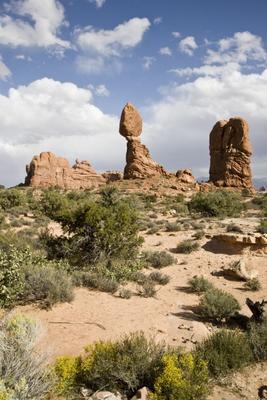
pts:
[67, 68]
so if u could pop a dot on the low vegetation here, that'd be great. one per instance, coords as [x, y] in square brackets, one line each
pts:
[199, 284]
[187, 247]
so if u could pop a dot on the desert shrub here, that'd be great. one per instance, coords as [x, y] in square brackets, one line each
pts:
[147, 289]
[262, 228]
[23, 369]
[199, 284]
[154, 229]
[11, 277]
[158, 259]
[225, 351]
[199, 234]
[257, 337]
[139, 277]
[66, 370]
[10, 198]
[187, 247]
[159, 278]
[125, 365]
[217, 305]
[2, 218]
[183, 377]
[253, 284]
[219, 203]
[25, 239]
[47, 284]
[97, 230]
[234, 228]
[94, 280]
[125, 293]
[173, 227]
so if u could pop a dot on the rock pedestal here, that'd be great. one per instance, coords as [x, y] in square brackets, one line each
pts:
[230, 152]
[139, 163]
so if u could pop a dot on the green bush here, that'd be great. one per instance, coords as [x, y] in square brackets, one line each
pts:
[262, 228]
[66, 370]
[199, 284]
[10, 198]
[224, 351]
[158, 259]
[173, 227]
[199, 234]
[217, 305]
[183, 377]
[253, 284]
[125, 365]
[23, 369]
[125, 293]
[257, 337]
[147, 289]
[187, 247]
[234, 228]
[97, 230]
[159, 278]
[219, 203]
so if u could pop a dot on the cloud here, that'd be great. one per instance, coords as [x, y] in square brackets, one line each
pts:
[188, 45]
[33, 23]
[98, 3]
[178, 126]
[165, 51]
[176, 34]
[239, 48]
[100, 90]
[101, 50]
[58, 117]
[207, 70]
[4, 70]
[147, 62]
[157, 21]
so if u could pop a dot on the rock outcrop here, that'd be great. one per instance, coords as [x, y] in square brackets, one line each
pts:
[186, 176]
[139, 163]
[230, 152]
[48, 170]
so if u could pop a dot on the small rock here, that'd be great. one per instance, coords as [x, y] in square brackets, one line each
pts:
[141, 394]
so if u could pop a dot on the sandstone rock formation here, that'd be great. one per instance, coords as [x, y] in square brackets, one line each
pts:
[48, 170]
[230, 152]
[231, 243]
[185, 176]
[139, 163]
[240, 270]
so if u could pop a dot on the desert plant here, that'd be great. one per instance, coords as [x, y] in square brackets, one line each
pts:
[257, 337]
[253, 284]
[125, 293]
[10, 198]
[217, 305]
[199, 284]
[158, 259]
[225, 351]
[262, 228]
[125, 365]
[199, 234]
[66, 370]
[173, 227]
[234, 228]
[187, 247]
[23, 369]
[183, 377]
[147, 289]
[219, 203]
[159, 278]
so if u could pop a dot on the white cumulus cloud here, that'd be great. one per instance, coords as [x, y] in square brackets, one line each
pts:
[165, 51]
[33, 23]
[188, 45]
[98, 3]
[4, 70]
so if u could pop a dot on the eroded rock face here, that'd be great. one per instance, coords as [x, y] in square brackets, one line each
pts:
[186, 176]
[48, 170]
[230, 152]
[139, 163]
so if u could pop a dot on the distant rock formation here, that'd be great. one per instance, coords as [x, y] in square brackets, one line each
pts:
[139, 163]
[186, 176]
[48, 170]
[230, 152]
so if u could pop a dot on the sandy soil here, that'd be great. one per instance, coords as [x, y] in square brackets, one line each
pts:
[169, 316]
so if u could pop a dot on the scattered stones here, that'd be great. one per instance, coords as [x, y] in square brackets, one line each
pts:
[105, 396]
[230, 152]
[240, 270]
[139, 163]
[49, 170]
[185, 176]
[142, 394]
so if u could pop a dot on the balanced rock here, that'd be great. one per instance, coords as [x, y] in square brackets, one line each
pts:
[139, 163]
[230, 152]
[48, 170]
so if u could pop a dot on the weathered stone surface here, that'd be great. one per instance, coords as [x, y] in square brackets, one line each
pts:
[240, 270]
[238, 243]
[131, 123]
[142, 394]
[230, 152]
[112, 176]
[139, 163]
[48, 170]
[185, 176]
[105, 396]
